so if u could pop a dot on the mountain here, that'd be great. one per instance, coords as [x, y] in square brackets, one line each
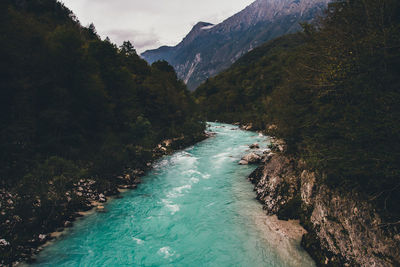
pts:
[208, 49]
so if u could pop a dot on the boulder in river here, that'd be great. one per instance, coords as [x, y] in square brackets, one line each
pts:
[243, 162]
[252, 158]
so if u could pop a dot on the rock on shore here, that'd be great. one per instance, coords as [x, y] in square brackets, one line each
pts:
[343, 228]
[36, 227]
[251, 158]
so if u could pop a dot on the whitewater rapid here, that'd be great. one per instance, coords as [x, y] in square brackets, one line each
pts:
[195, 208]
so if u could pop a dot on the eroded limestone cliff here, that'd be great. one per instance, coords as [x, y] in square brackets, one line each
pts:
[343, 228]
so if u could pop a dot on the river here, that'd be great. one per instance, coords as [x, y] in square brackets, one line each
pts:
[195, 208]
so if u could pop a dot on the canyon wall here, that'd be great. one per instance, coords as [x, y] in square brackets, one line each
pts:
[344, 229]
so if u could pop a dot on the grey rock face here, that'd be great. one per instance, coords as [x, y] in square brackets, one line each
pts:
[343, 228]
[252, 158]
[243, 162]
[208, 49]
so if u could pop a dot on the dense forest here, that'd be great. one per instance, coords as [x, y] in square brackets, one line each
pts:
[331, 92]
[73, 106]
[241, 93]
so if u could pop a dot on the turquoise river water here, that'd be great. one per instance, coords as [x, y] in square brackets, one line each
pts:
[195, 208]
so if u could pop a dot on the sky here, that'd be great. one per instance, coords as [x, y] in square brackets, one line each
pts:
[149, 24]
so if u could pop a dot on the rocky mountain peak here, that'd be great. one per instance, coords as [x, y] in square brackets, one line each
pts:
[268, 10]
[208, 49]
[196, 30]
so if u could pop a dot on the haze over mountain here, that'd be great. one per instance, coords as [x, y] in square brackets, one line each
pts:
[208, 49]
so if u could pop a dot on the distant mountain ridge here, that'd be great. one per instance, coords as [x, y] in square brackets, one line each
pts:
[208, 49]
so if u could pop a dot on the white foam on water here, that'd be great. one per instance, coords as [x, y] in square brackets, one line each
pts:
[206, 176]
[174, 208]
[138, 241]
[185, 154]
[177, 191]
[221, 158]
[223, 154]
[166, 252]
[191, 172]
[233, 159]
[194, 180]
[161, 164]
[185, 159]
[181, 188]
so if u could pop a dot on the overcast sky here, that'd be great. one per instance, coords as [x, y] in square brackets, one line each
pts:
[151, 23]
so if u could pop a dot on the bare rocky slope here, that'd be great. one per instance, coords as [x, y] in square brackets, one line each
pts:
[343, 228]
[208, 49]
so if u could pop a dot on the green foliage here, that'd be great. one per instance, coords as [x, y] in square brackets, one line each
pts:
[73, 106]
[341, 98]
[334, 96]
[71, 99]
[54, 171]
[242, 93]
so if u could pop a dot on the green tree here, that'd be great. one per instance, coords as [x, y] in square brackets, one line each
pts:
[127, 48]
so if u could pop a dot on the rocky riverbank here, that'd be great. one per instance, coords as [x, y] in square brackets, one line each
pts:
[343, 228]
[82, 196]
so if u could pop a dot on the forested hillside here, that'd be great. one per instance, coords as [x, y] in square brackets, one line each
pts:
[73, 106]
[332, 93]
[242, 93]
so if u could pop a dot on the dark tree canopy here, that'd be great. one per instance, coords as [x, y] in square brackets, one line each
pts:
[127, 48]
[333, 93]
[74, 106]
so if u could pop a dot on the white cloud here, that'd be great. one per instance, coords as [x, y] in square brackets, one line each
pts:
[151, 23]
